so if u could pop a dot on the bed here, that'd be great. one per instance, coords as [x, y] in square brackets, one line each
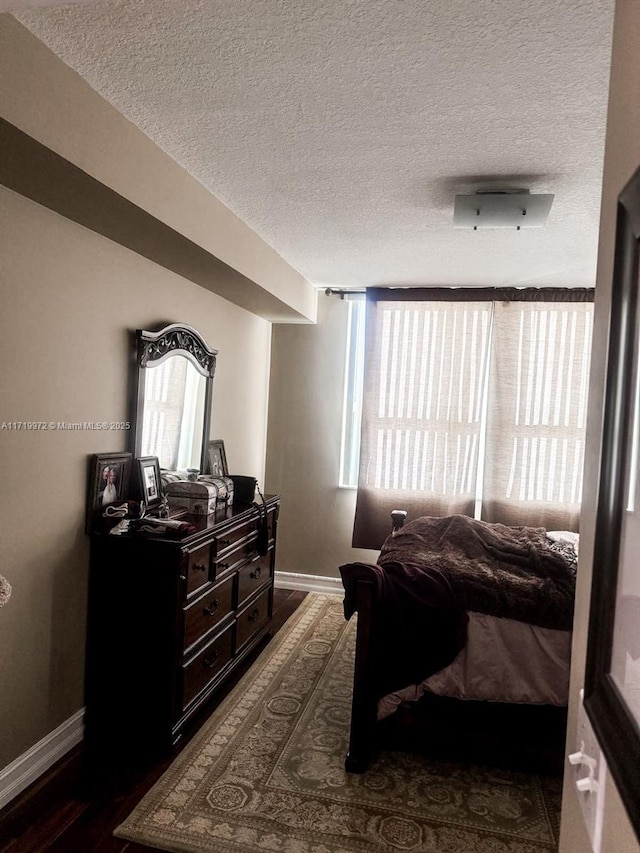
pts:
[463, 640]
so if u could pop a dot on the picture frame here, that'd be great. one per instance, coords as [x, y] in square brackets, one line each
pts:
[612, 680]
[217, 459]
[149, 481]
[109, 477]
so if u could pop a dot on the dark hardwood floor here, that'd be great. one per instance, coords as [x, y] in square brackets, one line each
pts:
[63, 813]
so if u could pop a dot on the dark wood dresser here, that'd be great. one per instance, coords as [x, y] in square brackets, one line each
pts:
[168, 622]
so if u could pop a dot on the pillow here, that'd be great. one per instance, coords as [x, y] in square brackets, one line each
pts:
[566, 543]
[568, 536]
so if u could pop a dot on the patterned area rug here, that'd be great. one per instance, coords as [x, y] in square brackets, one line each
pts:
[265, 773]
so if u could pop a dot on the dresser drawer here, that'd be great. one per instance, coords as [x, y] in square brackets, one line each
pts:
[198, 566]
[253, 618]
[246, 550]
[229, 540]
[205, 665]
[253, 576]
[205, 613]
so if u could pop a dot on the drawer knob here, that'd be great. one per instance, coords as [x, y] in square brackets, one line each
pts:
[223, 566]
[210, 661]
[211, 608]
[223, 543]
[254, 615]
[199, 567]
[256, 574]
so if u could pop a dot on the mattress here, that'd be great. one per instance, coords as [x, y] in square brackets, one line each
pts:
[504, 660]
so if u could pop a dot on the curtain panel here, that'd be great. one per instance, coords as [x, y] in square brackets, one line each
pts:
[536, 414]
[437, 362]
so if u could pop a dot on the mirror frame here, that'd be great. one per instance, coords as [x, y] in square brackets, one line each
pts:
[612, 719]
[153, 348]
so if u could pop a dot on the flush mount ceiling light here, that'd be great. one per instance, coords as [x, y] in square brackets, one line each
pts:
[501, 209]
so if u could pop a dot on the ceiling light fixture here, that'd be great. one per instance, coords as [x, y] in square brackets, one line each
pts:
[501, 209]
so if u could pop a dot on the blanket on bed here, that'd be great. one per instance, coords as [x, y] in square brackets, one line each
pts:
[510, 572]
[435, 570]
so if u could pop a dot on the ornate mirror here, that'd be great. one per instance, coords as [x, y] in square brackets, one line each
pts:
[612, 685]
[172, 391]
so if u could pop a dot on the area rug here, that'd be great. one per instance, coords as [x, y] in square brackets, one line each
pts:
[266, 772]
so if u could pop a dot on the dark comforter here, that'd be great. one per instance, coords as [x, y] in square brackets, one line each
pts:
[435, 570]
[512, 572]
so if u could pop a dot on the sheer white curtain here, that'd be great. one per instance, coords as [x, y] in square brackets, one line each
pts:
[425, 369]
[473, 403]
[536, 413]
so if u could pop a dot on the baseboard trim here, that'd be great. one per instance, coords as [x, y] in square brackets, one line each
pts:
[29, 766]
[308, 583]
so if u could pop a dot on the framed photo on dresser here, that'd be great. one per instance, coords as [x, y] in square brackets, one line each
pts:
[108, 483]
[149, 482]
[217, 459]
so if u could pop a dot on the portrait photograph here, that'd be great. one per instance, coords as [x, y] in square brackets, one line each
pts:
[109, 476]
[217, 459]
[149, 483]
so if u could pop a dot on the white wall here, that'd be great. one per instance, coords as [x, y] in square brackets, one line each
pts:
[622, 157]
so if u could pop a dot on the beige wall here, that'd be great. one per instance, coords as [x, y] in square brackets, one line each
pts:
[622, 157]
[68, 299]
[303, 449]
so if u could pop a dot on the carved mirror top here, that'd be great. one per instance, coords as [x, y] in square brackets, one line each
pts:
[176, 339]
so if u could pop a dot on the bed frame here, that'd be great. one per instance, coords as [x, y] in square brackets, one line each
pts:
[528, 737]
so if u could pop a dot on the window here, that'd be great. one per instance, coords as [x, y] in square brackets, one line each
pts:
[352, 408]
[472, 404]
[536, 413]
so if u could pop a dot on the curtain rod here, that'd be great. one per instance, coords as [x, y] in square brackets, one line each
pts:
[342, 293]
[463, 294]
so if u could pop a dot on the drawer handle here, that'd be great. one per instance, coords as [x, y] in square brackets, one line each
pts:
[223, 543]
[255, 575]
[211, 608]
[255, 614]
[210, 662]
[199, 567]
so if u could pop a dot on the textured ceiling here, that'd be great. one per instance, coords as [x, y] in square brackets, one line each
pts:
[340, 130]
